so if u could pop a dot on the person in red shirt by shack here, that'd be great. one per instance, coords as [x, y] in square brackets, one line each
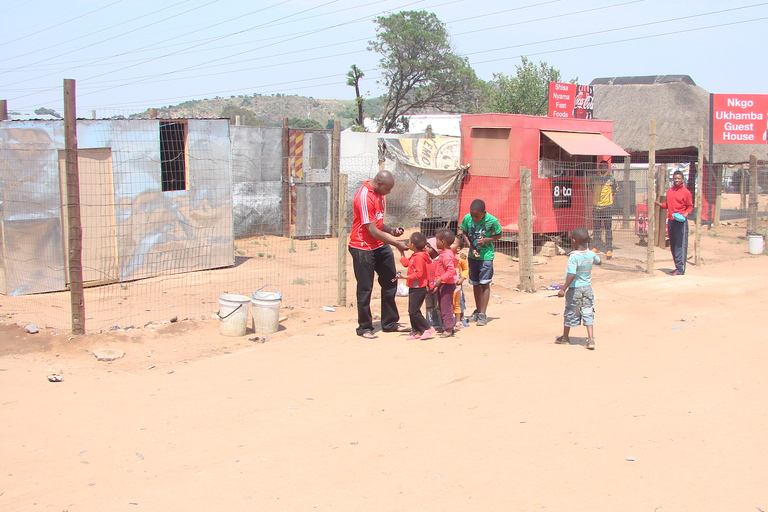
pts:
[679, 206]
[369, 245]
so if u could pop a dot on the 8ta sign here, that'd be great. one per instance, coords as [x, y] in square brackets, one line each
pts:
[739, 118]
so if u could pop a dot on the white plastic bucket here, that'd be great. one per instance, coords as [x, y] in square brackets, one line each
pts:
[756, 244]
[233, 314]
[266, 310]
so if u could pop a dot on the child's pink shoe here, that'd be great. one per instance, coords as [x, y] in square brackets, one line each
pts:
[414, 336]
[428, 334]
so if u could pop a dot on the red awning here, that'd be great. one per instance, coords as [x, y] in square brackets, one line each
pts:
[577, 143]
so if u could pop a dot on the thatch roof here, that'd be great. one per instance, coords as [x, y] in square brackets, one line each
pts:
[680, 110]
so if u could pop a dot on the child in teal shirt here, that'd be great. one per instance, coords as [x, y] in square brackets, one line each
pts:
[577, 290]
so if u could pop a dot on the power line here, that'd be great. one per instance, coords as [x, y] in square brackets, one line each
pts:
[60, 24]
[677, 31]
[105, 40]
[604, 43]
[629, 27]
[60, 43]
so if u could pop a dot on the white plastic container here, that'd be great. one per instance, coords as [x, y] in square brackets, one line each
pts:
[756, 244]
[266, 310]
[233, 314]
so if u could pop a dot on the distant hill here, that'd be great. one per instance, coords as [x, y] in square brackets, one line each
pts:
[269, 110]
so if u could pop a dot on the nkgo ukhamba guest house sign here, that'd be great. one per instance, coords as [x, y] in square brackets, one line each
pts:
[739, 118]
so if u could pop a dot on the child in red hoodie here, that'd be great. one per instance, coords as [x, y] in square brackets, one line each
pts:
[417, 280]
[445, 279]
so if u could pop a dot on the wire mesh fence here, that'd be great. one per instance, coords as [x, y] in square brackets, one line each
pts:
[176, 213]
[156, 210]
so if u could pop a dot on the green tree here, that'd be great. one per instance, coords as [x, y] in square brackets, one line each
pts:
[524, 93]
[247, 116]
[353, 79]
[305, 124]
[42, 111]
[418, 67]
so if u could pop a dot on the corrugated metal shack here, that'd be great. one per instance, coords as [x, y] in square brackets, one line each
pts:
[156, 199]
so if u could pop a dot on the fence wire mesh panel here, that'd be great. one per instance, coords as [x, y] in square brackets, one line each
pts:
[175, 213]
[156, 201]
[566, 195]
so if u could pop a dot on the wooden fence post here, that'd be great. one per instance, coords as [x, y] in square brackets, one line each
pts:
[627, 199]
[651, 199]
[718, 170]
[525, 231]
[335, 169]
[3, 110]
[75, 234]
[341, 263]
[752, 222]
[286, 189]
[699, 194]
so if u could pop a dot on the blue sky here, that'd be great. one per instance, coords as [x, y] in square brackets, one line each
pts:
[129, 55]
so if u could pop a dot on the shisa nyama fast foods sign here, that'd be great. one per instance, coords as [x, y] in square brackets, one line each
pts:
[570, 101]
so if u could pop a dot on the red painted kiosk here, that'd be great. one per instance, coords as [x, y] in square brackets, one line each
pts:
[562, 154]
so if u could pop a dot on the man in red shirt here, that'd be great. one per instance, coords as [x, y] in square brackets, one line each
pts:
[369, 244]
[679, 206]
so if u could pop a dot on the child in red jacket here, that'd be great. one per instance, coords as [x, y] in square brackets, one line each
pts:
[445, 279]
[417, 280]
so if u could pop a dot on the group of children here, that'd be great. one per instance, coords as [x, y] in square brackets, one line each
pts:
[434, 276]
[437, 269]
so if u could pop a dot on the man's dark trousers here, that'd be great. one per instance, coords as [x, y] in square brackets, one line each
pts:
[678, 243]
[382, 262]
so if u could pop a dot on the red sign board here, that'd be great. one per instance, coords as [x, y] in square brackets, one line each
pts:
[562, 99]
[570, 100]
[739, 118]
[585, 100]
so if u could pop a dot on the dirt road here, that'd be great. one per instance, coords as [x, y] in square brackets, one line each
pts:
[667, 414]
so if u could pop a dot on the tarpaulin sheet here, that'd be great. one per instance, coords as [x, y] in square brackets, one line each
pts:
[433, 163]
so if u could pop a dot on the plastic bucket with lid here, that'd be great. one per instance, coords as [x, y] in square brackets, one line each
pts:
[266, 310]
[233, 314]
[756, 244]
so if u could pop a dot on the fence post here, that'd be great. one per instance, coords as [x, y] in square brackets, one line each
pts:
[335, 169]
[75, 234]
[341, 263]
[525, 231]
[651, 199]
[662, 184]
[3, 110]
[718, 170]
[699, 193]
[627, 199]
[286, 181]
[752, 222]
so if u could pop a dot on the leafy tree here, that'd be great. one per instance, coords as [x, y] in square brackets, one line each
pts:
[42, 111]
[305, 124]
[247, 116]
[418, 67]
[353, 79]
[524, 93]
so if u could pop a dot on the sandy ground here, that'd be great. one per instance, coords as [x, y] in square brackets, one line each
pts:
[667, 414]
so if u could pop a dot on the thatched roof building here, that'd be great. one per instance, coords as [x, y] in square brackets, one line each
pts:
[680, 109]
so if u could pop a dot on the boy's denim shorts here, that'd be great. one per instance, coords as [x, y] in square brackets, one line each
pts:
[579, 306]
[480, 271]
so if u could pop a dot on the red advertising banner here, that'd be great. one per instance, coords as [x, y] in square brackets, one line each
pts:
[739, 118]
[570, 100]
[585, 99]
[562, 99]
